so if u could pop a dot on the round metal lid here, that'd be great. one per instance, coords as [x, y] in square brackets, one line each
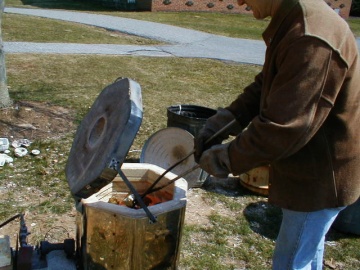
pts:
[104, 137]
[167, 146]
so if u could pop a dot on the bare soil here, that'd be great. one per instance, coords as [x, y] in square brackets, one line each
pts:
[35, 121]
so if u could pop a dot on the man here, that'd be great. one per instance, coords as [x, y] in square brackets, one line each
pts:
[300, 115]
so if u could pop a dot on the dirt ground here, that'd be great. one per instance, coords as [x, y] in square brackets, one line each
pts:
[35, 121]
[40, 121]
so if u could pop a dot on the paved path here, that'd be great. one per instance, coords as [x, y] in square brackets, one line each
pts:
[181, 42]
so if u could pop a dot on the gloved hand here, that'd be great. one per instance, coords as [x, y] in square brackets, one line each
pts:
[215, 161]
[213, 125]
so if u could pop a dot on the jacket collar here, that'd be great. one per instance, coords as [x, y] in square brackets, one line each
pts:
[284, 9]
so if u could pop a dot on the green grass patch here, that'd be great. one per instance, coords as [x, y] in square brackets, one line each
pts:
[48, 30]
[354, 24]
[231, 25]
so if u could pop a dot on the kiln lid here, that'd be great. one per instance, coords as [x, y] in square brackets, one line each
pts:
[104, 136]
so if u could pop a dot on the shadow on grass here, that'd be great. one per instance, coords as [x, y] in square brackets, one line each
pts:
[346, 225]
[226, 186]
[263, 218]
[336, 235]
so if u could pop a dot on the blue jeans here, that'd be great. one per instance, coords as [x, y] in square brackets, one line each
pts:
[300, 243]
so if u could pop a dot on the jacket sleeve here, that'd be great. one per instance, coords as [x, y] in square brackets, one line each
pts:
[307, 77]
[246, 106]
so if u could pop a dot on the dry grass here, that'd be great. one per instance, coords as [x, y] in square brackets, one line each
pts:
[59, 31]
[75, 82]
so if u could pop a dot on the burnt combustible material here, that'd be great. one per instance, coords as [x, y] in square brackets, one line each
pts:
[149, 200]
[179, 152]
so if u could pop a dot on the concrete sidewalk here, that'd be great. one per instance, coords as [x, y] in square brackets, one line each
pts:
[181, 42]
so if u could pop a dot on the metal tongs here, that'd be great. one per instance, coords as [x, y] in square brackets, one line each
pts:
[131, 200]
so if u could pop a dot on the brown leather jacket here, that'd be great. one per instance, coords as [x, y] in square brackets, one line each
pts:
[302, 112]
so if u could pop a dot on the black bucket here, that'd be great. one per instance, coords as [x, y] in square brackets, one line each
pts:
[348, 220]
[189, 117]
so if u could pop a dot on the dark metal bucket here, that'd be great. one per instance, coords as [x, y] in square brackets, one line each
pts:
[189, 117]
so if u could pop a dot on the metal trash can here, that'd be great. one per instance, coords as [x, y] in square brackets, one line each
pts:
[189, 117]
[111, 235]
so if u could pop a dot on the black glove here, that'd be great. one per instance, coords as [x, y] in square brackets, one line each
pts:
[215, 161]
[213, 125]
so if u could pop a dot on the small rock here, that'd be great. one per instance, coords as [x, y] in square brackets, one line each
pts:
[330, 263]
[5, 159]
[35, 152]
[20, 151]
[4, 144]
[21, 143]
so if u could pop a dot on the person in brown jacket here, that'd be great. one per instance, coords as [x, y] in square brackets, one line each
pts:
[301, 116]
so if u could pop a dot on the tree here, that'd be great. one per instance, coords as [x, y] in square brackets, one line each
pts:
[5, 100]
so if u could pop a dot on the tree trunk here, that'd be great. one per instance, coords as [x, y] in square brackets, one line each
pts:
[5, 100]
